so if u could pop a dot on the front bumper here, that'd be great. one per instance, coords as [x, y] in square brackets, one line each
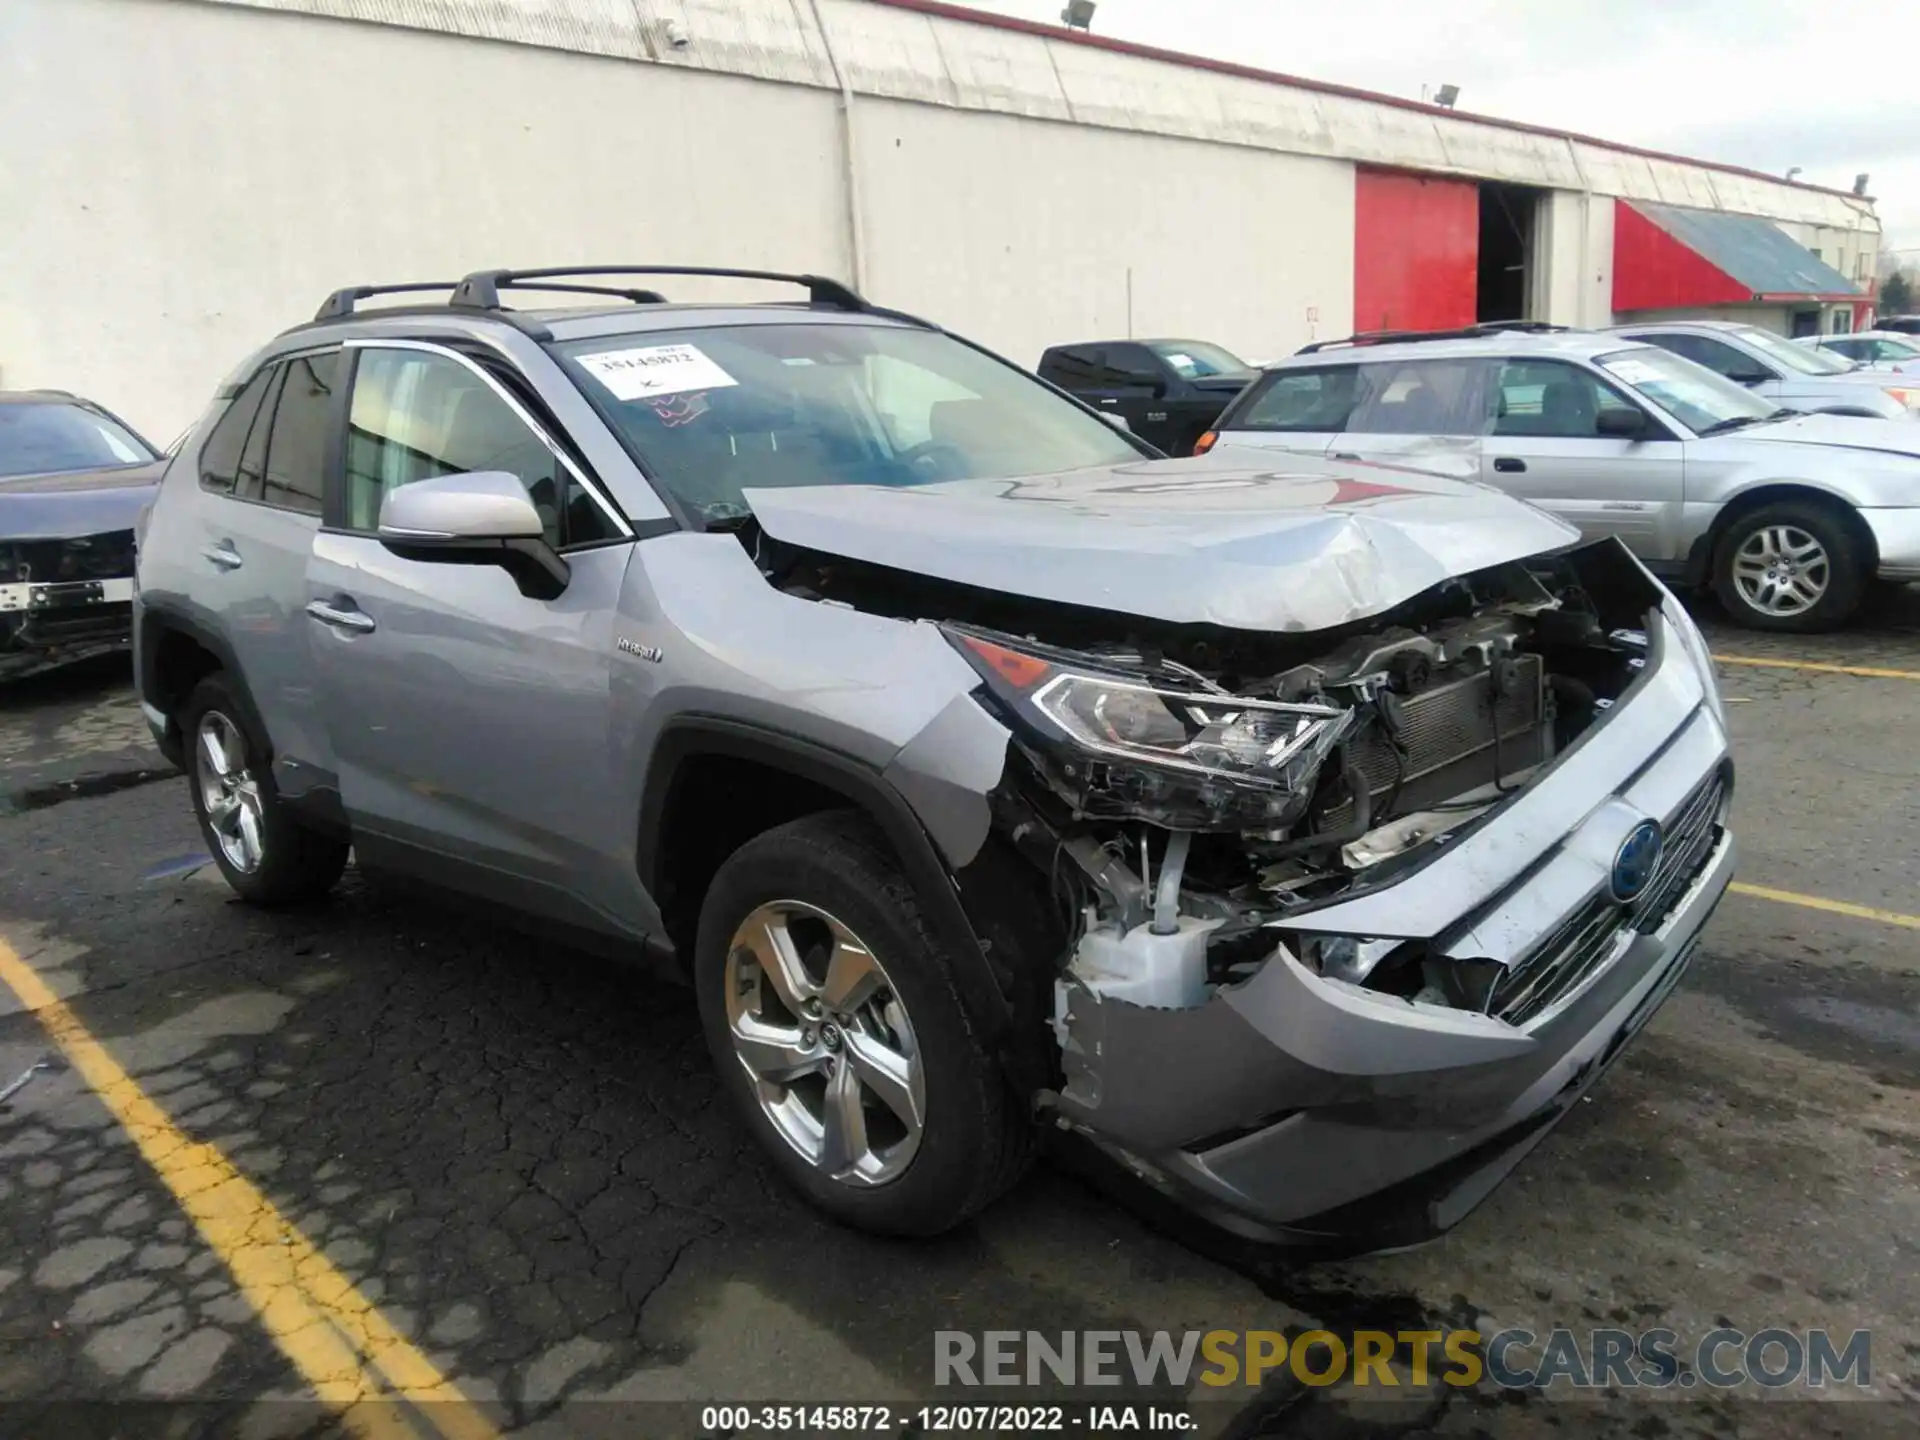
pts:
[1896, 538]
[43, 624]
[1307, 1110]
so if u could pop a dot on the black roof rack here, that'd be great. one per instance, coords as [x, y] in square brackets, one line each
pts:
[481, 290]
[341, 302]
[1466, 332]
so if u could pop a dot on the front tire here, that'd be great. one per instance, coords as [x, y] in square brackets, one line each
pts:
[264, 853]
[1794, 566]
[829, 1007]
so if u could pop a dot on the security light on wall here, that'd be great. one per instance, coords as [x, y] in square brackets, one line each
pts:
[1078, 15]
[1446, 96]
[1793, 172]
[1860, 183]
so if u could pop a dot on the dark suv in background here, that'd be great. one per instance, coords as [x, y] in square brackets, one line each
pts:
[1168, 391]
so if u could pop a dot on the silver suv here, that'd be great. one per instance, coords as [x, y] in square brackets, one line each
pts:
[1788, 516]
[1304, 838]
[1781, 372]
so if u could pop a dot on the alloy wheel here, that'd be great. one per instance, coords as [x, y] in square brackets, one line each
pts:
[229, 792]
[1781, 570]
[826, 1043]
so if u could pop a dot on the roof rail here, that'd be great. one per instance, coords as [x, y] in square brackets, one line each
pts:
[481, 290]
[341, 302]
[1465, 332]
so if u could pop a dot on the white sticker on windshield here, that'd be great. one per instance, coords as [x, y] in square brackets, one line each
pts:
[1635, 372]
[655, 370]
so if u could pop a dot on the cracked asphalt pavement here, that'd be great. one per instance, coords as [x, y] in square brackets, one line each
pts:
[517, 1153]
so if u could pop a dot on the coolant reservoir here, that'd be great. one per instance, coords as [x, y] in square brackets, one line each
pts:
[1168, 972]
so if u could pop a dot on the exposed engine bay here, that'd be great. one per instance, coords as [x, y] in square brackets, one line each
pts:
[1182, 786]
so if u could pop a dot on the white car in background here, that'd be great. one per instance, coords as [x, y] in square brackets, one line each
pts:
[1788, 516]
[1886, 350]
[1779, 370]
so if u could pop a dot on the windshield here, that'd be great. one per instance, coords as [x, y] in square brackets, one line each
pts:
[1890, 349]
[1196, 359]
[1802, 358]
[714, 412]
[1694, 395]
[46, 439]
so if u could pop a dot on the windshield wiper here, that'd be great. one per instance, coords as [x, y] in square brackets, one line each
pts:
[1741, 422]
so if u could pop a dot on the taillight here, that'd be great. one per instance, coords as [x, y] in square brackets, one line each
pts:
[1206, 442]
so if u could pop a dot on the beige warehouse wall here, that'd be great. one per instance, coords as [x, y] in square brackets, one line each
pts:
[180, 181]
[1026, 233]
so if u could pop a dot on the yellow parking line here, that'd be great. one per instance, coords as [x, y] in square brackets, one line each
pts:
[346, 1350]
[1871, 672]
[1832, 907]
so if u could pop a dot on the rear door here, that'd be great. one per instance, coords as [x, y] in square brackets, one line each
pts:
[470, 721]
[1421, 413]
[263, 469]
[1301, 410]
[1543, 445]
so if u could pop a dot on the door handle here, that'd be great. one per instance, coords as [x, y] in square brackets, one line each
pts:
[1109, 402]
[1345, 455]
[356, 620]
[1510, 465]
[223, 555]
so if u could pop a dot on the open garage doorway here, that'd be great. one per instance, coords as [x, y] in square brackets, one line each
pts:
[1509, 222]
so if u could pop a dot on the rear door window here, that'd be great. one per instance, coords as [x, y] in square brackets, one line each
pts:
[1306, 401]
[294, 467]
[1074, 367]
[1418, 397]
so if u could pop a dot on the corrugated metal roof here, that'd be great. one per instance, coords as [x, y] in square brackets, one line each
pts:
[1755, 252]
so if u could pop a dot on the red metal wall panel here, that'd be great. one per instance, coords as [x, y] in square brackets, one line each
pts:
[1654, 271]
[1416, 251]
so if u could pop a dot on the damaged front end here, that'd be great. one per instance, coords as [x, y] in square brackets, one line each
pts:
[1348, 928]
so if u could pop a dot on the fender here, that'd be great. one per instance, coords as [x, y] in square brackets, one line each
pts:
[988, 1005]
[151, 618]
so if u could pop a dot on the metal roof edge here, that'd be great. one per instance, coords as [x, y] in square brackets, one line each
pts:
[965, 14]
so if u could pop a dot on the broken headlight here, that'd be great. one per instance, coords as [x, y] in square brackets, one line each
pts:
[1121, 745]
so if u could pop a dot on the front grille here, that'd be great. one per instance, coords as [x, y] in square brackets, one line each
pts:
[1588, 941]
[107, 556]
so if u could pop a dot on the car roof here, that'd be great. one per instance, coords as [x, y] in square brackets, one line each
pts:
[1561, 344]
[43, 397]
[1721, 326]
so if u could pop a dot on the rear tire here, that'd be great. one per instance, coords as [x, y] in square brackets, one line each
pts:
[858, 1034]
[266, 855]
[1794, 566]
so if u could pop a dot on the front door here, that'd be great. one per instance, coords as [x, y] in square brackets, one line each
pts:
[1544, 446]
[470, 722]
[1133, 384]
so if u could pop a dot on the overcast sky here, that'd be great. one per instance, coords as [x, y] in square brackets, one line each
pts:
[1767, 84]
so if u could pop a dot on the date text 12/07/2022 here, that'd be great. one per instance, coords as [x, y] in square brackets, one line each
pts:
[1119, 1419]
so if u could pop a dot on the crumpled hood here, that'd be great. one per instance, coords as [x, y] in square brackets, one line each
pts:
[1855, 432]
[82, 502]
[1284, 543]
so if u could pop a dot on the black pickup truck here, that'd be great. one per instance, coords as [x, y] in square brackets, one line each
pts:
[1168, 391]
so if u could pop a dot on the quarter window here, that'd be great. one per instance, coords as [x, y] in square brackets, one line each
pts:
[417, 415]
[220, 456]
[1302, 401]
[1548, 400]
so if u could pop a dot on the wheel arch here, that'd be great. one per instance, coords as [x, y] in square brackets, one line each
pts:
[175, 653]
[803, 777]
[1775, 491]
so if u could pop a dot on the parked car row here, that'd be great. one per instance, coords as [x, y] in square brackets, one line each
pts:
[1301, 841]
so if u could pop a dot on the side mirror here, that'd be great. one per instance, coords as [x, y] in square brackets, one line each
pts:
[1616, 423]
[484, 517]
[1115, 419]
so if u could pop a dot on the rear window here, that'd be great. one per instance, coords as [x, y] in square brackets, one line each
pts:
[711, 414]
[58, 436]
